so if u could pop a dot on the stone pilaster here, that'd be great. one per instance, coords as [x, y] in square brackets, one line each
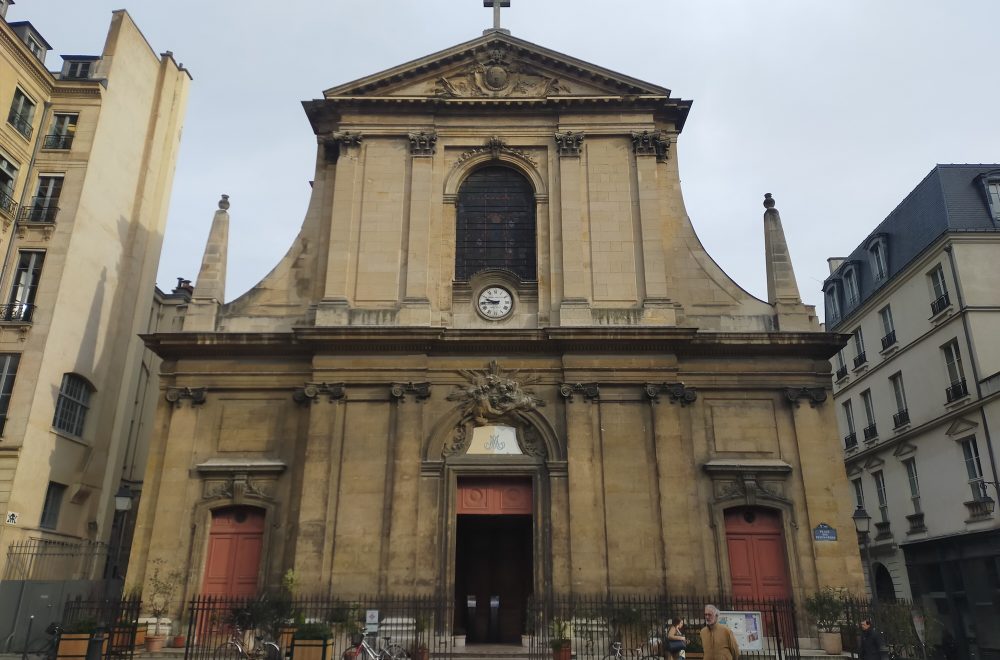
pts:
[587, 529]
[345, 223]
[416, 306]
[575, 239]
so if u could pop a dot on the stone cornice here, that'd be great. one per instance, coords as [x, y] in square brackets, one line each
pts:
[28, 62]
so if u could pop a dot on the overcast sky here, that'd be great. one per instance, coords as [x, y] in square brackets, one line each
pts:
[837, 108]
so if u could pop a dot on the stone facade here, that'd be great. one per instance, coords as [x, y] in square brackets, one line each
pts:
[89, 156]
[354, 392]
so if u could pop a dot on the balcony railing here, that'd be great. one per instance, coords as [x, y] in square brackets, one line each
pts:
[860, 359]
[57, 141]
[883, 531]
[979, 509]
[956, 390]
[842, 372]
[21, 123]
[850, 440]
[901, 418]
[16, 312]
[916, 521]
[870, 432]
[889, 340]
[38, 212]
[940, 304]
[7, 204]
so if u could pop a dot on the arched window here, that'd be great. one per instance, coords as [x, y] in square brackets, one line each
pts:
[71, 408]
[496, 224]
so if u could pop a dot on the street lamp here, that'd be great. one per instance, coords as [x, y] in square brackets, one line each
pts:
[123, 504]
[862, 525]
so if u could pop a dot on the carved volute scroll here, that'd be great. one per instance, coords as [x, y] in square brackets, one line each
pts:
[815, 395]
[590, 391]
[196, 395]
[569, 143]
[423, 143]
[497, 73]
[651, 143]
[420, 391]
[676, 392]
[493, 393]
[311, 392]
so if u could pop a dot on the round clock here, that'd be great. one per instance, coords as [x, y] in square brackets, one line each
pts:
[495, 302]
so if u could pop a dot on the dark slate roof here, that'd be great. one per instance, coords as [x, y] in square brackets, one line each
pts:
[950, 198]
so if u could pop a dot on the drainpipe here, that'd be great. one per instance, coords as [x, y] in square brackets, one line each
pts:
[46, 106]
[972, 360]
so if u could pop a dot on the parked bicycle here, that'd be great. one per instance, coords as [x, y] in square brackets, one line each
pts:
[387, 651]
[238, 647]
[619, 652]
[44, 649]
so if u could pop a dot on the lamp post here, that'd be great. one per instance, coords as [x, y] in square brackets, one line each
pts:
[862, 525]
[123, 504]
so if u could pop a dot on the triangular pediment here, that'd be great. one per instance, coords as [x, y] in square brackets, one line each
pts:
[961, 427]
[498, 66]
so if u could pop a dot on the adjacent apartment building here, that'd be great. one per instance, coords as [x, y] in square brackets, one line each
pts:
[917, 390]
[87, 156]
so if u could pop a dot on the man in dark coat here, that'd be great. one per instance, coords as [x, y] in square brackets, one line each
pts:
[870, 645]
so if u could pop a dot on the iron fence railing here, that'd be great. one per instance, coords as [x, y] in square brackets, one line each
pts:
[112, 624]
[17, 312]
[41, 559]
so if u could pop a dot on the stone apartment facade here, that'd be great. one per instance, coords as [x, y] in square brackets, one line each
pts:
[917, 390]
[497, 360]
[87, 155]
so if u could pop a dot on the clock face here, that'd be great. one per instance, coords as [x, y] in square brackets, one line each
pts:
[495, 302]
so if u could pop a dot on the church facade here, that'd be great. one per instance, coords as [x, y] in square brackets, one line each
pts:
[497, 360]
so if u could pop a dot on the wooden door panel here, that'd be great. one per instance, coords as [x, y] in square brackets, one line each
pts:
[232, 562]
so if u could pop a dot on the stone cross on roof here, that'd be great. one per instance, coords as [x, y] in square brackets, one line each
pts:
[496, 4]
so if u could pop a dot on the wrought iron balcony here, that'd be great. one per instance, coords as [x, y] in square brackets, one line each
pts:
[901, 418]
[889, 340]
[860, 359]
[7, 204]
[842, 372]
[871, 432]
[57, 141]
[956, 390]
[16, 312]
[21, 123]
[851, 441]
[40, 210]
[940, 304]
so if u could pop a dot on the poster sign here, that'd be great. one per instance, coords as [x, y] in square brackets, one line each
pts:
[747, 628]
[824, 532]
[494, 440]
[371, 621]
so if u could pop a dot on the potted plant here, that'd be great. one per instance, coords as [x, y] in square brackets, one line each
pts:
[420, 651]
[560, 640]
[312, 641]
[180, 637]
[826, 609]
[694, 649]
[459, 636]
[162, 587]
[75, 638]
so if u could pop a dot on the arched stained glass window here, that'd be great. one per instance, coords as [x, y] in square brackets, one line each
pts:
[496, 224]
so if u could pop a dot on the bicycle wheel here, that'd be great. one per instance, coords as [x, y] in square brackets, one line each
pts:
[267, 651]
[397, 652]
[613, 656]
[229, 651]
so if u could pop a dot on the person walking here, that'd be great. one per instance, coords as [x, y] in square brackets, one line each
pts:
[676, 641]
[870, 644]
[717, 641]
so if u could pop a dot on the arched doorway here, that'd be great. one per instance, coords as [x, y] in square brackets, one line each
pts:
[883, 584]
[493, 557]
[495, 228]
[235, 540]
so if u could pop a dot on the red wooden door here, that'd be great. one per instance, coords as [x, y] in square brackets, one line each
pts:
[234, 547]
[758, 565]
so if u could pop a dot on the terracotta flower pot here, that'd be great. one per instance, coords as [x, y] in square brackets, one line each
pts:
[155, 643]
[179, 641]
[73, 645]
[831, 643]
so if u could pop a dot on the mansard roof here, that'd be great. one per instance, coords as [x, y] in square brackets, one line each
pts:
[498, 68]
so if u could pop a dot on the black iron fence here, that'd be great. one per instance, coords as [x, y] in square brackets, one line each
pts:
[40, 559]
[89, 628]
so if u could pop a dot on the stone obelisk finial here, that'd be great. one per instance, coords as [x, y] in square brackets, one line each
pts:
[781, 284]
[210, 288]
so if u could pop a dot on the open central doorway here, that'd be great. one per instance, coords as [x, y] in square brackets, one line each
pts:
[493, 562]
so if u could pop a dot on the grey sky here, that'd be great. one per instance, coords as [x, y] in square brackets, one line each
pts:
[837, 108]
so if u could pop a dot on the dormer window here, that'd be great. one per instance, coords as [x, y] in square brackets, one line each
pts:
[851, 291]
[78, 67]
[27, 33]
[877, 255]
[991, 185]
[832, 302]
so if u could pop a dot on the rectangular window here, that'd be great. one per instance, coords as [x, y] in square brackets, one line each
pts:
[879, 269]
[35, 47]
[8, 371]
[63, 131]
[841, 365]
[832, 305]
[45, 204]
[78, 69]
[72, 405]
[888, 327]
[993, 190]
[883, 503]
[859, 493]
[870, 429]
[53, 502]
[911, 476]
[939, 290]
[974, 468]
[21, 303]
[859, 348]
[956, 374]
[851, 439]
[902, 415]
[22, 111]
[851, 288]
[8, 179]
